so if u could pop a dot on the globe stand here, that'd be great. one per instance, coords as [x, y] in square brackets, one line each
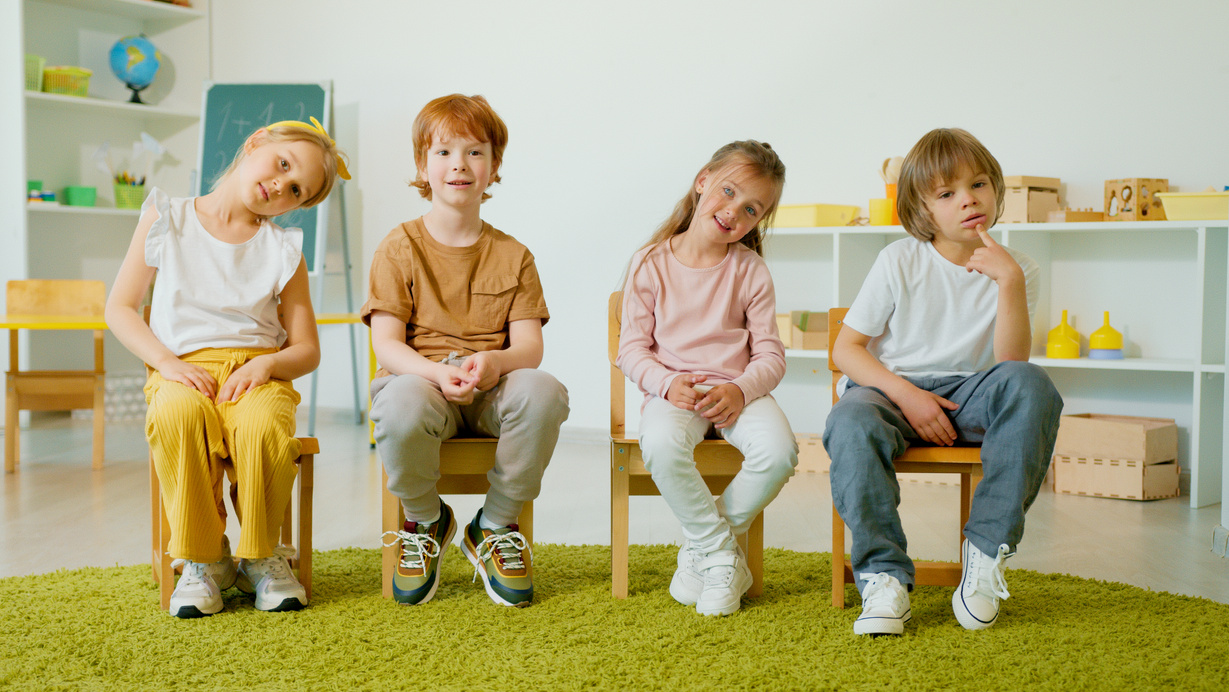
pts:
[136, 93]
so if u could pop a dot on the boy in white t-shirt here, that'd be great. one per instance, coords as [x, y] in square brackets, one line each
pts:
[935, 349]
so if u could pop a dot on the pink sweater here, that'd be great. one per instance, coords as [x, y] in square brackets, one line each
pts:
[720, 322]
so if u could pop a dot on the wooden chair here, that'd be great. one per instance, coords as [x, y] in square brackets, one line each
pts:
[464, 462]
[919, 458]
[54, 390]
[717, 460]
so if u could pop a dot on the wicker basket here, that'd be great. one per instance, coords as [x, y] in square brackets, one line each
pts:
[129, 196]
[34, 72]
[73, 81]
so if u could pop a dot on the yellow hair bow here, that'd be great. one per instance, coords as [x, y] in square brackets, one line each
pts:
[342, 171]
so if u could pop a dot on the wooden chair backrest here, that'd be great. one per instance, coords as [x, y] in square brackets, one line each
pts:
[836, 318]
[618, 414]
[76, 297]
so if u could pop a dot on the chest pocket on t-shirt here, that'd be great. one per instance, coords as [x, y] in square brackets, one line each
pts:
[490, 301]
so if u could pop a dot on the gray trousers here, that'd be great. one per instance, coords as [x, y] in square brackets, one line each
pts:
[1012, 409]
[412, 418]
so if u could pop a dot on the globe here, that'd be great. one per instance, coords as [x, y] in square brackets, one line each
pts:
[135, 61]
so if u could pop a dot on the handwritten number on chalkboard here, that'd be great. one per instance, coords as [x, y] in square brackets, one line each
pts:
[266, 116]
[302, 112]
[225, 116]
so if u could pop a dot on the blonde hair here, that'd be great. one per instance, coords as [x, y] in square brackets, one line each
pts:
[762, 161]
[288, 133]
[457, 114]
[938, 157]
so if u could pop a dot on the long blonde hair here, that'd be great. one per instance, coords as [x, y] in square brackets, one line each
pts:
[763, 162]
[286, 133]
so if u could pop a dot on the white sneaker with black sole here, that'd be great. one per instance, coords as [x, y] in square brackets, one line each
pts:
[885, 606]
[687, 583]
[272, 581]
[976, 600]
[199, 590]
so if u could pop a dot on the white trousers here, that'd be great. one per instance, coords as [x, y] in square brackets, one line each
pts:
[668, 437]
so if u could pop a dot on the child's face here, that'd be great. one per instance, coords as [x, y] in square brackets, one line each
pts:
[276, 177]
[960, 205]
[732, 201]
[458, 169]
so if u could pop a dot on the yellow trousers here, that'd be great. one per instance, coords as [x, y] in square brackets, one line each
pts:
[195, 440]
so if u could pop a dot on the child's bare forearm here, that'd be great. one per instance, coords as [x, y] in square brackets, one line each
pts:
[1013, 333]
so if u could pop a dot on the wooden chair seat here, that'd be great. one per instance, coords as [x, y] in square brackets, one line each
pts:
[919, 458]
[717, 460]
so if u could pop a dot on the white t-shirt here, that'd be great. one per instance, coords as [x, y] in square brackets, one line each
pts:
[213, 294]
[929, 317]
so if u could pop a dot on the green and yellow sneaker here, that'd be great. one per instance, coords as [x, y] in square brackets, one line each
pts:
[499, 556]
[422, 550]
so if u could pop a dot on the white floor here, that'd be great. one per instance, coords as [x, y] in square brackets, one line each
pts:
[58, 513]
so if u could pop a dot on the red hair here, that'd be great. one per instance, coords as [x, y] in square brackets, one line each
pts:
[457, 114]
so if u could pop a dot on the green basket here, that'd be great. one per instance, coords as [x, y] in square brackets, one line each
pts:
[129, 196]
[79, 196]
[34, 72]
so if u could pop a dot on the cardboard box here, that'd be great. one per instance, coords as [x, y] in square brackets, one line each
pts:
[1029, 199]
[812, 457]
[812, 215]
[783, 328]
[808, 329]
[1115, 478]
[1098, 437]
[1134, 199]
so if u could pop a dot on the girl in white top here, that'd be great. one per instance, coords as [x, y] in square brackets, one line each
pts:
[219, 392]
[699, 337]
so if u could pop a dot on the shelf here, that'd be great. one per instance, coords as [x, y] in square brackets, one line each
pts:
[810, 353]
[1136, 364]
[1075, 227]
[57, 208]
[143, 10]
[88, 105]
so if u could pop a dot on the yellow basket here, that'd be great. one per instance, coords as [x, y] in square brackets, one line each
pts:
[34, 72]
[73, 81]
[1191, 206]
[129, 196]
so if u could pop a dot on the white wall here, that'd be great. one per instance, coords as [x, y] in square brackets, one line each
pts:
[613, 107]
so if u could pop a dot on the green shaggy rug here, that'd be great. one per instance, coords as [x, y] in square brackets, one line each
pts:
[102, 629]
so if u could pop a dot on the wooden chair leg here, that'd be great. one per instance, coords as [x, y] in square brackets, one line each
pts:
[525, 522]
[392, 518]
[838, 559]
[12, 430]
[619, 515]
[100, 422]
[306, 488]
[966, 502]
[754, 550]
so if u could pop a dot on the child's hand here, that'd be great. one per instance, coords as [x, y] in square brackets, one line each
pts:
[925, 412]
[249, 376]
[456, 384]
[993, 261]
[722, 405]
[483, 368]
[194, 376]
[682, 393]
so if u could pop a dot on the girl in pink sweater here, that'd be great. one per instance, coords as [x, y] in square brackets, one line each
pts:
[699, 337]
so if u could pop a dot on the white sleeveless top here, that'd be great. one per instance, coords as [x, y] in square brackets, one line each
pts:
[213, 294]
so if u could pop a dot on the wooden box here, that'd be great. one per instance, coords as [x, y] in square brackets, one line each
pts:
[808, 330]
[812, 457]
[1134, 199]
[1096, 436]
[783, 328]
[1115, 478]
[1029, 199]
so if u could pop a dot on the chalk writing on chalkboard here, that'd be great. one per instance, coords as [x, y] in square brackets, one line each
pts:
[232, 112]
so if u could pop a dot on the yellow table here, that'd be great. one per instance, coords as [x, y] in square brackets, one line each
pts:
[349, 318]
[52, 390]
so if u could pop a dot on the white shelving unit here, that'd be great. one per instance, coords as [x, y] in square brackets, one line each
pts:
[61, 134]
[1163, 283]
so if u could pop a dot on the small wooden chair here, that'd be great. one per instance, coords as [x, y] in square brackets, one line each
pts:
[717, 460]
[464, 462]
[918, 458]
[54, 390]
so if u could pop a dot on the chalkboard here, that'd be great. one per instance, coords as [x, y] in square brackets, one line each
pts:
[231, 112]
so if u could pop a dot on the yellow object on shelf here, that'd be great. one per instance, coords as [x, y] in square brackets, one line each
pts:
[34, 72]
[1106, 342]
[129, 196]
[1186, 206]
[1063, 341]
[811, 215]
[881, 211]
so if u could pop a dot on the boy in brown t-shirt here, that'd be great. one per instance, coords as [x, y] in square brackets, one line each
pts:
[456, 314]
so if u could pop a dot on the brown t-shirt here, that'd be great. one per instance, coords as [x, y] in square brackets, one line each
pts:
[454, 299]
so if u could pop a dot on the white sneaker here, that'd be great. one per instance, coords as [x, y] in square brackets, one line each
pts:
[199, 591]
[687, 583]
[726, 579]
[272, 581]
[976, 600]
[885, 606]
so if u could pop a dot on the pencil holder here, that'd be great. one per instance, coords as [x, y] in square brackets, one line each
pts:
[129, 196]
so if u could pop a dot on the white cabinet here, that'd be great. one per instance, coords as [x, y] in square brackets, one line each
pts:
[61, 134]
[1163, 283]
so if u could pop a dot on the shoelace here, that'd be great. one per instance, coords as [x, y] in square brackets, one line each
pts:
[986, 575]
[275, 566]
[193, 572]
[877, 592]
[415, 548]
[509, 545]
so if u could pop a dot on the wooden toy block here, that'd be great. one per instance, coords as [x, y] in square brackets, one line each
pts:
[1075, 216]
[1134, 199]
[1029, 199]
